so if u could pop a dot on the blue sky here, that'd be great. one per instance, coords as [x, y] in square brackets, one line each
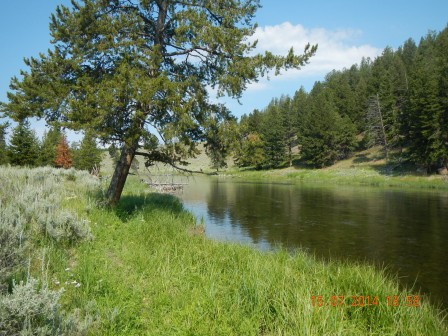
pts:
[346, 30]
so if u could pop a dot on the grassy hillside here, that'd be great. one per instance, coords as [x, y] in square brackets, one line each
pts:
[149, 270]
[363, 168]
[367, 167]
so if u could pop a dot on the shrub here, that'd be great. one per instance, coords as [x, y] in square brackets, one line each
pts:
[11, 253]
[37, 194]
[31, 204]
[35, 310]
[65, 226]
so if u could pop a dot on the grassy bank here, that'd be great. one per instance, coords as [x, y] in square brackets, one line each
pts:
[367, 168]
[149, 270]
[348, 176]
[364, 168]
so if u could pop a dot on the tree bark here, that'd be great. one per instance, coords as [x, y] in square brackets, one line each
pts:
[120, 174]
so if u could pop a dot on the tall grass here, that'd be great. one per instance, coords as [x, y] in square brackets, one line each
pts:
[151, 272]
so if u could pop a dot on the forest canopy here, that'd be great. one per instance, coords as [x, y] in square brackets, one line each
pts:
[398, 101]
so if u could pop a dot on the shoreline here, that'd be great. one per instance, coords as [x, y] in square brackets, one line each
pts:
[149, 269]
[343, 176]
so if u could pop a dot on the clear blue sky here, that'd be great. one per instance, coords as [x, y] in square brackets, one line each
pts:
[345, 30]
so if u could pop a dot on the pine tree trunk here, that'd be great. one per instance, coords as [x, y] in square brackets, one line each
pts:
[120, 174]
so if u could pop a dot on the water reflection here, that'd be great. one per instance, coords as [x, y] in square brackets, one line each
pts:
[406, 230]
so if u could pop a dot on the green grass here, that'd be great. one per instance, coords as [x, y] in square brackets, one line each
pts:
[348, 176]
[150, 271]
[364, 168]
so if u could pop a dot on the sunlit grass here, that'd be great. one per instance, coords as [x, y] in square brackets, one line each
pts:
[350, 176]
[148, 270]
[149, 273]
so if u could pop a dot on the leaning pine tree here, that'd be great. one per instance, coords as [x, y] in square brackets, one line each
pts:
[137, 72]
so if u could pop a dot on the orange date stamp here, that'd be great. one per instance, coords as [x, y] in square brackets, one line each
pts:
[365, 301]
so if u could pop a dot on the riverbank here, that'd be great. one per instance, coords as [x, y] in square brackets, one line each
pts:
[150, 270]
[367, 168]
[146, 268]
[347, 176]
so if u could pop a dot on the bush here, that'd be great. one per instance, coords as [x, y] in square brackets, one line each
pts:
[11, 253]
[31, 206]
[65, 226]
[35, 310]
[37, 194]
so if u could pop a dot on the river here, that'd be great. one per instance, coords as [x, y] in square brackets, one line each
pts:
[404, 230]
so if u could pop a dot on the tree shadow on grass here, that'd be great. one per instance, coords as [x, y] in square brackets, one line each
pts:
[362, 158]
[131, 204]
[398, 169]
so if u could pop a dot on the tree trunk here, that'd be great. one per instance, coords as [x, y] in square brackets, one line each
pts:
[120, 174]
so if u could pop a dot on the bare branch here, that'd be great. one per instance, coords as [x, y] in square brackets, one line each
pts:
[171, 163]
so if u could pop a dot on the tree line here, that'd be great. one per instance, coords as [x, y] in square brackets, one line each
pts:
[398, 101]
[137, 74]
[25, 149]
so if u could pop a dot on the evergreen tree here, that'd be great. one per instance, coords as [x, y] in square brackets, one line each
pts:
[50, 140]
[290, 125]
[63, 156]
[3, 150]
[114, 153]
[24, 146]
[376, 131]
[255, 122]
[389, 83]
[273, 135]
[250, 152]
[325, 136]
[343, 94]
[220, 142]
[428, 106]
[299, 106]
[131, 70]
[88, 156]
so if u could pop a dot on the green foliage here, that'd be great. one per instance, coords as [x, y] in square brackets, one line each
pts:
[389, 82]
[324, 136]
[24, 146]
[398, 101]
[88, 156]
[250, 152]
[50, 140]
[29, 310]
[3, 149]
[273, 134]
[114, 153]
[129, 71]
[12, 244]
[427, 128]
[221, 138]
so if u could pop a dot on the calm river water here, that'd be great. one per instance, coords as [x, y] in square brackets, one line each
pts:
[405, 230]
